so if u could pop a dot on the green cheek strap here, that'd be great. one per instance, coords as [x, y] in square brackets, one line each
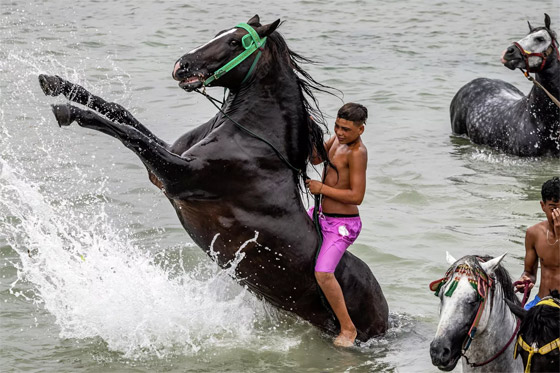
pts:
[251, 42]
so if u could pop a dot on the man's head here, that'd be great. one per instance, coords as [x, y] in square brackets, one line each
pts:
[550, 194]
[350, 121]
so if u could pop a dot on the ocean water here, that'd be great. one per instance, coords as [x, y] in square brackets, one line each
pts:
[96, 273]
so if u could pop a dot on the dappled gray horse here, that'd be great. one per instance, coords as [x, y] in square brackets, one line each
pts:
[495, 113]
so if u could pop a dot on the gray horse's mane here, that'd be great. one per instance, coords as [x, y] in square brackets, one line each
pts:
[501, 275]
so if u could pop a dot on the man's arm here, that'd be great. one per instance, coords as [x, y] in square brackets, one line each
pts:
[531, 260]
[357, 164]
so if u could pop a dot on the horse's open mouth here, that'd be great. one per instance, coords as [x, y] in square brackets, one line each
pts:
[191, 83]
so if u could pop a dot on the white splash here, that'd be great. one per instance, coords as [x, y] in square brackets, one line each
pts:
[96, 283]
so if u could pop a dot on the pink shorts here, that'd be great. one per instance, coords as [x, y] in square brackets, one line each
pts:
[339, 231]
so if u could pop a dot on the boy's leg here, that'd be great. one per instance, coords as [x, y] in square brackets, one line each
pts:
[337, 236]
[331, 288]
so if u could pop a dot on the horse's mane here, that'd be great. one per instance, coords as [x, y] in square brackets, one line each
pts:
[308, 88]
[501, 275]
[541, 323]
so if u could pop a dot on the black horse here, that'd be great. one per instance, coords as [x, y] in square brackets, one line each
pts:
[236, 195]
[539, 333]
[495, 113]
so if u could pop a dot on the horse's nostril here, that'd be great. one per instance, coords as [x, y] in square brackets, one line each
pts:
[179, 69]
[510, 50]
[445, 353]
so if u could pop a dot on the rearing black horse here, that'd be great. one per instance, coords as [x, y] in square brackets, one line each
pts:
[495, 113]
[233, 193]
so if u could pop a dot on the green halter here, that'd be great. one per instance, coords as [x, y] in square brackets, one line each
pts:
[251, 42]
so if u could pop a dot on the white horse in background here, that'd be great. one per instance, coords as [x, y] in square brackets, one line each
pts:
[475, 321]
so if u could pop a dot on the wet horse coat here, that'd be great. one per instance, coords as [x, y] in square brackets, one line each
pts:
[233, 194]
[538, 340]
[495, 113]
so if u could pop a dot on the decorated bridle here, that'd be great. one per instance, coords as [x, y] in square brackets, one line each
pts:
[481, 282]
[526, 54]
[551, 346]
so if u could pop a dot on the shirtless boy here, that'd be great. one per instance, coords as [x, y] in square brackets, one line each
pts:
[343, 190]
[543, 241]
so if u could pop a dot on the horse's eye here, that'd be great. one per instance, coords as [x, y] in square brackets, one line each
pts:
[540, 39]
[234, 43]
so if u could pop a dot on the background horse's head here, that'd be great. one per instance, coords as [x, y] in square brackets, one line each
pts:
[535, 52]
[462, 292]
[540, 333]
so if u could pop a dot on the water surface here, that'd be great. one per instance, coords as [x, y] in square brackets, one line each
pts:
[96, 272]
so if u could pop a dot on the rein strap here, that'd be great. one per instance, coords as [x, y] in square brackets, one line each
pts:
[533, 350]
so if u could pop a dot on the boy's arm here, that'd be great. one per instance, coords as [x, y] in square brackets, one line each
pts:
[357, 164]
[531, 260]
[316, 159]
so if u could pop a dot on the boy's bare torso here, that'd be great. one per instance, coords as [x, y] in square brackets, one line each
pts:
[340, 154]
[548, 252]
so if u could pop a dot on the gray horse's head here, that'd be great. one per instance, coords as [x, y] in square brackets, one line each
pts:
[460, 300]
[533, 51]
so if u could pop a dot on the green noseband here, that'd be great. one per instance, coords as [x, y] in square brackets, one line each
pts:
[251, 42]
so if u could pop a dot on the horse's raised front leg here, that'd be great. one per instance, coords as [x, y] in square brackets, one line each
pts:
[55, 85]
[174, 173]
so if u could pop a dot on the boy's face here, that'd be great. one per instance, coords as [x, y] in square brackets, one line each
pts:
[548, 207]
[346, 131]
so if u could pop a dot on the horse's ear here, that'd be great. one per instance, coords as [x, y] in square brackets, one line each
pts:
[516, 309]
[530, 27]
[546, 21]
[450, 259]
[255, 21]
[490, 266]
[267, 29]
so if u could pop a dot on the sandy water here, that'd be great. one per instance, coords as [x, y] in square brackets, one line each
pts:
[96, 273]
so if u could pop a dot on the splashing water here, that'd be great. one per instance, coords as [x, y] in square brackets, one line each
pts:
[96, 283]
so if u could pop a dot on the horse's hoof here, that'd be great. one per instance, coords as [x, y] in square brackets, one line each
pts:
[63, 114]
[51, 85]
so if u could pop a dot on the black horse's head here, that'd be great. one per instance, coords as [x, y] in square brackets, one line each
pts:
[256, 56]
[206, 63]
[535, 52]
[539, 332]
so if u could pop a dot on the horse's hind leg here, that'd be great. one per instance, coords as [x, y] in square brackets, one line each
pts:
[55, 85]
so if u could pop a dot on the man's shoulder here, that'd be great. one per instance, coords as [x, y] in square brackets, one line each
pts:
[537, 230]
[359, 150]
